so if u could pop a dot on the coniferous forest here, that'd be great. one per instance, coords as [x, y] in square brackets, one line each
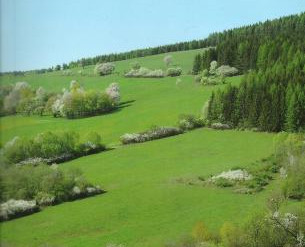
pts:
[271, 96]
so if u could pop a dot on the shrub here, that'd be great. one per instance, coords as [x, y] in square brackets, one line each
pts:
[50, 147]
[189, 121]
[226, 70]
[232, 236]
[79, 103]
[92, 144]
[43, 185]
[173, 72]
[223, 182]
[16, 208]
[210, 81]
[104, 68]
[19, 94]
[220, 126]
[44, 199]
[168, 59]
[145, 73]
[154, 133]
[289, 154]
[113, 91]
[294, 186]
[213, 67]
[135, 65]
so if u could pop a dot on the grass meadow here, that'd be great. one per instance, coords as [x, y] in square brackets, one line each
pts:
[144, 204]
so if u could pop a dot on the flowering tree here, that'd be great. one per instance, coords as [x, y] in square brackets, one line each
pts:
[168, 59]
[104, 68]
[213, 67]
[113, 90]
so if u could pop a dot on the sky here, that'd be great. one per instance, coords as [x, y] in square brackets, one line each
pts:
[42, 33]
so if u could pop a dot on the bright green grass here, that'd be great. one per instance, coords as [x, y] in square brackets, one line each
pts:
[55, 81]
[144, 205]
[155, 102]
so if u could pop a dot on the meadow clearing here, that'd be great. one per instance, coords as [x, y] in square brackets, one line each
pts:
[144, 204]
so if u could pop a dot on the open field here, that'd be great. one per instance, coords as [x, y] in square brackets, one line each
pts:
[148, 102]
[144, 205]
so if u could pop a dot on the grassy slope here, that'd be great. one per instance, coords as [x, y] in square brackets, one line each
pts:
[154, 102]
[144, 205]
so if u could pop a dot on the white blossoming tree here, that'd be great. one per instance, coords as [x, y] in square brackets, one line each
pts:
[168, 59]
[104, 68]
[113, 90]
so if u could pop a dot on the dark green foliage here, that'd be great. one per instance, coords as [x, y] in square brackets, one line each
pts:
[271, 97]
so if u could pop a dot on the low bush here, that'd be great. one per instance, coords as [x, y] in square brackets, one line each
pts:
[104, 68]
[154, 133]
[220, 126]
[189, 122]
[294, 186]
[226, 70]
[145, 73]
[212, 80]
[17, 208]
[50, 147]
[289, 155]
[173, 72]
[224, 182]
[21, 98]
[27, 187]
[77, 102]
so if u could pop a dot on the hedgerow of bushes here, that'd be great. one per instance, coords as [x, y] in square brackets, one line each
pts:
[145, 73]
[152, 134]
[50, 147]
[72, 103]
[27, 188]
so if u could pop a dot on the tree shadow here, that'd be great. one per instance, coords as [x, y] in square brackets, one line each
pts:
[125, 104]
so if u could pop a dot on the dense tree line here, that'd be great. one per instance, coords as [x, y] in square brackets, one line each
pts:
[271, 97]
[246, 47]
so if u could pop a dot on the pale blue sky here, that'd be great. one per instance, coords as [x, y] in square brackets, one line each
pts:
[41, 33]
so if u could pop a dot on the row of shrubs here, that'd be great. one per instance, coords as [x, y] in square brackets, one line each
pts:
[72, 103]
[77, 102]
[50, 147]
[152, 134]
[27, 189]
[186, 122]
[157, 73]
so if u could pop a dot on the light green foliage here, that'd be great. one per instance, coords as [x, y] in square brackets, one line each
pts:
[49, 147]
[190, 121]
[173, 72]
[104, 68]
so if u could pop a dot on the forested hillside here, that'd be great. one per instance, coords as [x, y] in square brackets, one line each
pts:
[272, 94]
